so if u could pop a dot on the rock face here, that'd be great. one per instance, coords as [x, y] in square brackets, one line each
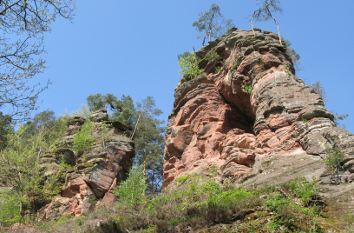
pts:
[88, 176]
[248, 105]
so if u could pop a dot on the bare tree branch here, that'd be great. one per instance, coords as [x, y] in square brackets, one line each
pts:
[23, 23]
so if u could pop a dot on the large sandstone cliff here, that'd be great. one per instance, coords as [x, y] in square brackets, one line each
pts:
[251, 118]
[88, 176]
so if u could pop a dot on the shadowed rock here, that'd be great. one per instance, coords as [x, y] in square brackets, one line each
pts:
[251, 108]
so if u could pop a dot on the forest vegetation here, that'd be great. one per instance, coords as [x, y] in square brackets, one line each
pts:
[195, 202]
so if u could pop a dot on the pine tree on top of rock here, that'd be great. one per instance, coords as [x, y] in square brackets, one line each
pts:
[212, 24]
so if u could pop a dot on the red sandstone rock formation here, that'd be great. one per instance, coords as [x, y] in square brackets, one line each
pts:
[94, 172]
[247, 104]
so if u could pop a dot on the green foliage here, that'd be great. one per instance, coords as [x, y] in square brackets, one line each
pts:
[148, 139]
[218, 69]
[147, 131]
[10, 207]
[195, 201]
[5, 129]
[44, 122]
[289, 69]
[96, 102]
[212, 56]
[131, 193]
[53, 184]
[290, 216]
[212, 24]
[188, 202]
[226, 199]
[235, 201]
[189, 66]
[20, 170]
[303, 189]
[83, 139]
[182, 179]
[121, 109]
[334, 159]
[200, 203]
[126, 113]
[247, 88]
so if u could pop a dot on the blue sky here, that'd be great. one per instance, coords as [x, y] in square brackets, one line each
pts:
[131, 47]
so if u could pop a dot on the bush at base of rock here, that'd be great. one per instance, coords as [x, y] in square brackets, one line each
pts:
[131, 192]
[200, 204]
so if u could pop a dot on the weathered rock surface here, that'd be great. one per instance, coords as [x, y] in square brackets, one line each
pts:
[87, 177]
[246, 106]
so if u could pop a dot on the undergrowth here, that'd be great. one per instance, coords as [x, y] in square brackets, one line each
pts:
[196, 202]
[83, 139]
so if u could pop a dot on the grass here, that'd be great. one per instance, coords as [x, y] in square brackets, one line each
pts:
[200, 203]
[304, 190]
[182, 179]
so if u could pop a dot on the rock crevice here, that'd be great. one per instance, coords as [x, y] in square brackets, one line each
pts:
[253, 105]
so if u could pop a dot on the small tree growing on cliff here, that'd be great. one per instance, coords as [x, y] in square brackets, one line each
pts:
[189, 65]
[334, 159]
[266, 12]
[212, 24]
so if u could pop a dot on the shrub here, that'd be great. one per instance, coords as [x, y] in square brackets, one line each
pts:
[20, 169]
[288, 69]
[83, 139]
[10, 207]
[189, 66]
[229, 198]
[303, 189]
[131, 192]
[226, 205]
[247, 88]
[290, 216]
[198, 202]
[334, 159]
[212, 56]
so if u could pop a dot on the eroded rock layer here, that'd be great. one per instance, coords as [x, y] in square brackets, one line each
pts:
[87, 177]
[247, 104]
